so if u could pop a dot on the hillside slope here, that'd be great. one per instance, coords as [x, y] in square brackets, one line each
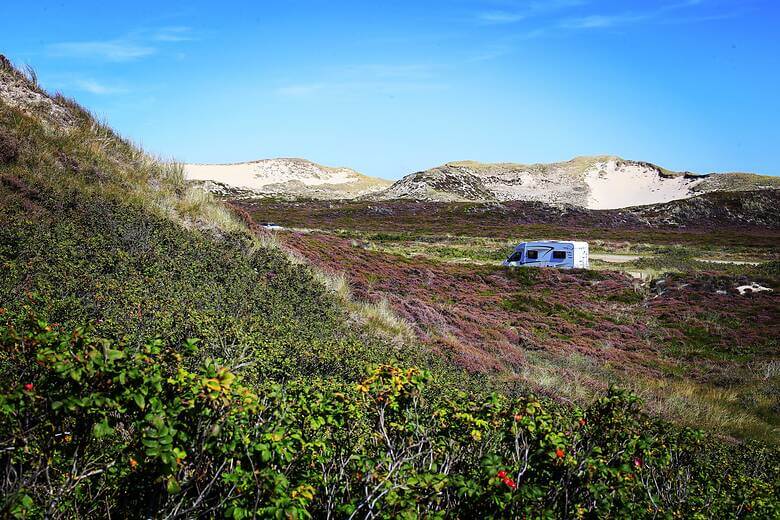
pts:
[604, 182]
[283, 177]
[96, 230]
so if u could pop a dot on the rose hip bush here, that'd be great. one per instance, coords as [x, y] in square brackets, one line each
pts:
[91, 427]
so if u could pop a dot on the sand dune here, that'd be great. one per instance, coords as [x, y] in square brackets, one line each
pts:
[287, 176]
[599, 182]
[612, 184]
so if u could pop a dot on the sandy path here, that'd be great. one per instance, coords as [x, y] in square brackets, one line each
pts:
[613, 258]
[735, 262]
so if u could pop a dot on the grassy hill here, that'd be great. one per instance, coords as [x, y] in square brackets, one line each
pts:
[96, 230]
[164, 359]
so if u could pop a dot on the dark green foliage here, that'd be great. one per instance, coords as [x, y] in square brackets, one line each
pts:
[629, 297]
[138, 276]
[390, 237]
[525, 302]
[90, 427]
[525, 277]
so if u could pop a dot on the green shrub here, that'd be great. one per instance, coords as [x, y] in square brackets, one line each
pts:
[91, 427]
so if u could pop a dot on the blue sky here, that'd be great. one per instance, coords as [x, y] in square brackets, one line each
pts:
[393, 87]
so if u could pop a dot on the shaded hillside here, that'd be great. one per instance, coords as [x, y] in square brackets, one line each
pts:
[715, 210]
[736, 215]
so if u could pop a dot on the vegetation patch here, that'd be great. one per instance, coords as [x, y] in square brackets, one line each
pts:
[487, 319]
[92, 428]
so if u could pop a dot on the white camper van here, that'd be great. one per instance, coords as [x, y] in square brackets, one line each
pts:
[550, 253]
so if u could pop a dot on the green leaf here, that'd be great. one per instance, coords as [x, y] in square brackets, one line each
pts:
[102, 429]
[172, 485]
[113, 355]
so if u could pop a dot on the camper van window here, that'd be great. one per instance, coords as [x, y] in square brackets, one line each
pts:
[533, 255]
[559, 255]
[515, 257]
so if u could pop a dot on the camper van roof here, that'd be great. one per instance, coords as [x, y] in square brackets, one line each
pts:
[572, 242]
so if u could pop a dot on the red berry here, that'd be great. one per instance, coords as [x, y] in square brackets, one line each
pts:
[502, 474]
[559, 453]
[28, 387]
[583, 422]
[510, 483]
[638, 462]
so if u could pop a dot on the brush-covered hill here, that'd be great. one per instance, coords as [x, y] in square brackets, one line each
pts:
[284, 177]
[756, 212]
[96, 230]
[164, 359]
[756, 209]
[603, 182]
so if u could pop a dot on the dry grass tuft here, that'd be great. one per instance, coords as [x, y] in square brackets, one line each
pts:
[378, 316]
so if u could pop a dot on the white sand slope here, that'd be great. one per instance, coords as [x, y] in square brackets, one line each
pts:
[287, 176]
[597, 182]
[617, 184]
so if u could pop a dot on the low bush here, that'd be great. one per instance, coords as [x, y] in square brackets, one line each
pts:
[9, 146]
[92, 427]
